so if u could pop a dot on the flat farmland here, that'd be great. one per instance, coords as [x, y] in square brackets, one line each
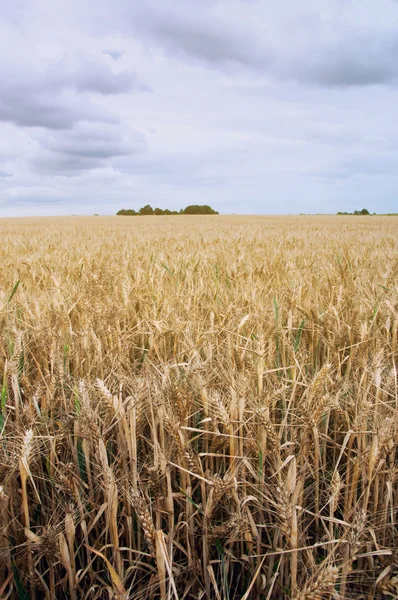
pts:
[199, 407]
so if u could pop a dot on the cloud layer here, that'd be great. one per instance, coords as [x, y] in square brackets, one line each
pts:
[248, 106]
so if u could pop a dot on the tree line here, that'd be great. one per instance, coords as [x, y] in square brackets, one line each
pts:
[364, 211]
[192, 209]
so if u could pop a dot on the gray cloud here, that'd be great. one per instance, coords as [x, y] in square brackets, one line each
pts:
[208, 38]
[55, 95]
[86, 147]
[352, 61]
[86, 74]
[288, 108]
[27, 108]
[362, 166]
[4, 174]
[350, 72]
[335, 54]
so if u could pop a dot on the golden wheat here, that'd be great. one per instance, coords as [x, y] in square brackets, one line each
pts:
[199, 407]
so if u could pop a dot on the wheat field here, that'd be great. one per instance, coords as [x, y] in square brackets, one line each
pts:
[199, 407]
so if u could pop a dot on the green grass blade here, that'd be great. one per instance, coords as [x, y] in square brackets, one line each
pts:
[14, 289]
[22, 593]
[298, 335]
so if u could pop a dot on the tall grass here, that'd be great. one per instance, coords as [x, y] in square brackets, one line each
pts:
[199, 409]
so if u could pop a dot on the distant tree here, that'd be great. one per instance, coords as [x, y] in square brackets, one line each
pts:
[196, 209]
[146, 210]
[129, 212]
[364, 211]
[193, 209]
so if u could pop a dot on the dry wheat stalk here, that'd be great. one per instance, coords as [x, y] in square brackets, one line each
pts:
[238, 377]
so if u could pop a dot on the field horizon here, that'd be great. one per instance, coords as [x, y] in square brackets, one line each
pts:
[263, 215]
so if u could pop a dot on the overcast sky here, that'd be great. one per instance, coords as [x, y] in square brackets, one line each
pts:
[251, 106]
